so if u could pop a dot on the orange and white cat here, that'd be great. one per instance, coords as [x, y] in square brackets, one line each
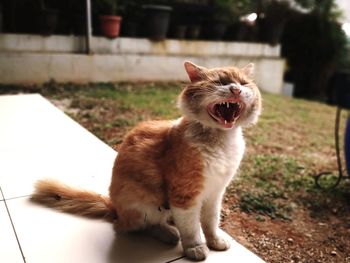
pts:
[175, 171]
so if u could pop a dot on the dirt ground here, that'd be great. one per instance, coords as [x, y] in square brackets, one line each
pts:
[324, 238]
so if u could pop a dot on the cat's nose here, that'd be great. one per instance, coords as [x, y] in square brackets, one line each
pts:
[235, 90]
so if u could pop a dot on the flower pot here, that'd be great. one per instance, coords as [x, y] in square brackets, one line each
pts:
[156, 21]
[110, 26]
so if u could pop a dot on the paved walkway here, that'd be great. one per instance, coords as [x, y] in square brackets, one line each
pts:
[36, 141]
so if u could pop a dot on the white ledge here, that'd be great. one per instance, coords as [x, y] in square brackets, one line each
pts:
[101, 45]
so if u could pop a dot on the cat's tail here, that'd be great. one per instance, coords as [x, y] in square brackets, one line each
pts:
[59, 196]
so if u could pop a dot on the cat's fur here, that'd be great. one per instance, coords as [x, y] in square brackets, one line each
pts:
[175, 169]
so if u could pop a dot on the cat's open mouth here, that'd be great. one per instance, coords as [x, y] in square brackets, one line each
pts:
[225, 112]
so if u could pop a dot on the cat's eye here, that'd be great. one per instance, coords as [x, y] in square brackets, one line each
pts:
[223, 82]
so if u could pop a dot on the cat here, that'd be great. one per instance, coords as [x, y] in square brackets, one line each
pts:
[169, 177]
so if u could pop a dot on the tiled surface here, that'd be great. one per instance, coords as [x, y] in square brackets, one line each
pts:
[237, 253]
[36, 141]
[49, 236]
[9, 249]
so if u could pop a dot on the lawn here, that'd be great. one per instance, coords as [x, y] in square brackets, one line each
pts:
[273, 206]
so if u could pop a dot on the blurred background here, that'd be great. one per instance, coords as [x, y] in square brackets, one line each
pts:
[310, 35]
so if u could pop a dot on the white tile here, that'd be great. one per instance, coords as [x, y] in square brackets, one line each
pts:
[39, 141]
[237, 253]
[9, 249]
[44, 232]
[50, 236]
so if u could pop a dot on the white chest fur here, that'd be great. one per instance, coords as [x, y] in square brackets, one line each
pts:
[222, 162]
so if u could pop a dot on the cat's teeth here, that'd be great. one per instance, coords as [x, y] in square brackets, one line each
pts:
[227, 104]
[225, 122]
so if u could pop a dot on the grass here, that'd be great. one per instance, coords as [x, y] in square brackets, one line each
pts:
[110, 110]
[292, 141]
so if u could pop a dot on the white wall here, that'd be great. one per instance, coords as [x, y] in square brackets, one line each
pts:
[37, 59]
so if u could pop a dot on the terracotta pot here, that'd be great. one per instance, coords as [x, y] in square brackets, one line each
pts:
[110, 26]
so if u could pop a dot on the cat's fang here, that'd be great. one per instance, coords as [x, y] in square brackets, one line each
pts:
[226, 113]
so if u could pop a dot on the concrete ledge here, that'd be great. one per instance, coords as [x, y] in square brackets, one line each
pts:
[182, 47]
[37, 43]
[100, 45]
[36, 68]
[36, 59]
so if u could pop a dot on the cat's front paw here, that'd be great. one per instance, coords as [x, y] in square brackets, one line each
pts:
[218, 243]
[197, 253]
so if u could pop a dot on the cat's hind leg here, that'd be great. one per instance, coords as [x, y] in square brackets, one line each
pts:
[136, 217]
[130, 220]
[159, 227]
[165, 233]
[149, 219]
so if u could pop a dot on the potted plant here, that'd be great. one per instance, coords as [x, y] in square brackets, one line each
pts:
[156, 20]
[109, 20]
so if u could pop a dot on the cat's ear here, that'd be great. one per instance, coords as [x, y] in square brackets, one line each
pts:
[249, 70]
[194, 72]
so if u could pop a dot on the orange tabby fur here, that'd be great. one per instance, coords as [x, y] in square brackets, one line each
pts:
[142, 171]
[175, 168]
[67, 199]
